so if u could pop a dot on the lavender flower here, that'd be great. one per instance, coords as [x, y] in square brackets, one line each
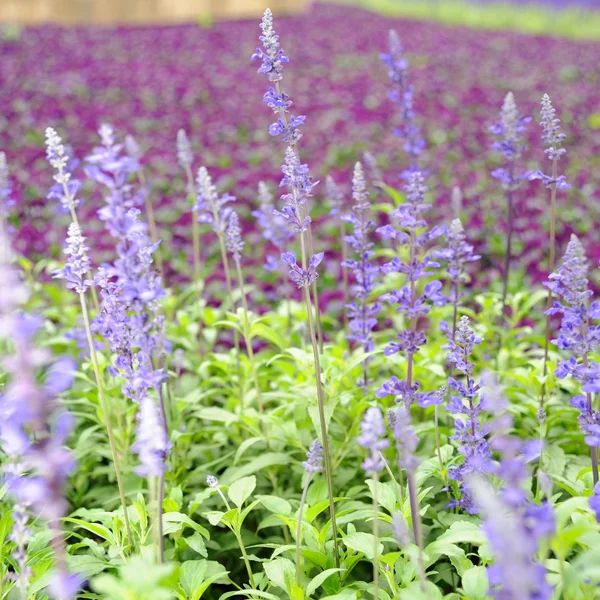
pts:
[184, 150]
[66, 187]
[373, 168]
[334, 195]
[513, 525]
[271, 55]
[578, 335]
[5, 191]
[402, 95]
[553, 138]
[361, 312]
[133, 148]
[272, 224]
[595, 502]
[314, 458]
[458, 253]
[78, 262]
[469, 432]
[235, 245]
[511, 129]
[152, 445]
[296, 176]
[302, 277]
[212, 481]
[211, 207]
[372, 438]
[130, 318]
[406, 439]
[409, 302]
[33, 427]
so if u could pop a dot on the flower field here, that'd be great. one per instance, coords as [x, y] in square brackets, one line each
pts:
[328, 330]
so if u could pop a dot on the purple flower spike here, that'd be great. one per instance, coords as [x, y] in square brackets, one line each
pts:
[578, 335]
[372, 438]
[78, 262]
[210, 207]
[152, 445]
[361, 313]
[270, 54]
[5, 191]
[511, 130]
[409, 302]
[33, 426]
[405, 436]
[314, 458]
[235, 245]
[552, 138]
[469, 432]
[402, 95]
[513, 524]
[301, 277]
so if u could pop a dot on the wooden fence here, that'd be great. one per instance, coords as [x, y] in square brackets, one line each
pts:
[138, 11]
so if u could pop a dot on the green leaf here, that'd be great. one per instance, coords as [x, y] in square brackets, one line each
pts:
[239, 491]
[280, 572]
[386, 493]
[214, 413]
[191, 575]
[196, 543]
[463, 532]
[95, 528]
[258, 464]
[319, 580]
[276, 505]
[363, 543]
[171, 519]
[475, 583]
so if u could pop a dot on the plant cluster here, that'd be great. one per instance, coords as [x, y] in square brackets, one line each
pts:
[432, 437]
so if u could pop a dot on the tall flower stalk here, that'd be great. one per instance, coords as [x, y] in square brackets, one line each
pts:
[185, 159]
[312, 464]
[553, 139]
[336, 199]
[286, 126]
[402, 95]
[457, 253]
[276, 232]
[235, 245]
[33, 431]
[513, 524]
[469, 431]
[299, 184]
[373, 438]
[212, 208]
[580, 337]
[361, 312]
[400, 423]
[511, 132]
[412, 305]
[135, 153]
[75, 272]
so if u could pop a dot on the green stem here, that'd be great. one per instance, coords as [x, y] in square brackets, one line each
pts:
[247, 334]
[236, 335]
[246, 560]
[375, 537]
[299, 526]
[151, 220]
[159, 520]
[324, 441]
[551, 265]
[104, 405]
[416, 522]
